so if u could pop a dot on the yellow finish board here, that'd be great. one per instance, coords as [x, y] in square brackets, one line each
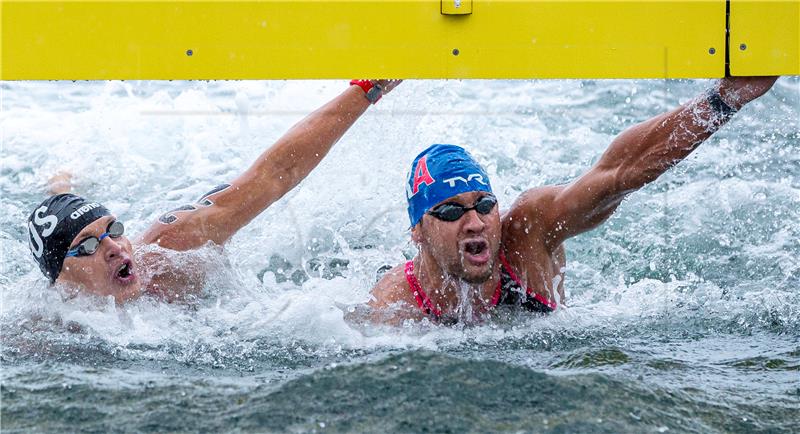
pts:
[344, 39]
[765, 37]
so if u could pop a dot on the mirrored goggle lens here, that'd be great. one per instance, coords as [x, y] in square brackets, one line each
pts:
[116, 229]
[88, 246]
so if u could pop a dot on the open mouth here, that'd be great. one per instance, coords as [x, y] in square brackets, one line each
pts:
[476, 252]
[476, 247]
[125, 272]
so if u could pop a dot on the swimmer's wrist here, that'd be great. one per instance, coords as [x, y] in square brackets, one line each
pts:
[721, 109]
[372, 91]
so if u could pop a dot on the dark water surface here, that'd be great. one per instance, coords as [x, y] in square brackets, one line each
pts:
[684, 308]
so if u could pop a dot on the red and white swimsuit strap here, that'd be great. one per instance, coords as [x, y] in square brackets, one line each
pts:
[528, 290]
[424, 302]
[422, 299]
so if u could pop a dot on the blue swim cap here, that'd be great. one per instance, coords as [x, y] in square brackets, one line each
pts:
[441, 172]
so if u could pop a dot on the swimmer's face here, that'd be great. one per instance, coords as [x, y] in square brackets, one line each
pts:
[108, 271]
[466, 248]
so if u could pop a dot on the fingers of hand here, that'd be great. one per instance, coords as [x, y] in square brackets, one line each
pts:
[388, 84]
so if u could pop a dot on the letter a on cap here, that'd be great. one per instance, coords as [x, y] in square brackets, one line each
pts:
[421, 175]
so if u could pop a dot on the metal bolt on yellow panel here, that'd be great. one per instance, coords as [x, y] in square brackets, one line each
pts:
[276, 39]
[456, 7]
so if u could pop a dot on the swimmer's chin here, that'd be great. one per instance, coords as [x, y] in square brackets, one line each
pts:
[120, 295]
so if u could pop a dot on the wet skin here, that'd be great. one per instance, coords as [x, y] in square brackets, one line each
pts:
[541, 219]
[109, 271]
[466, 252]
[466, 248]
[114, 271]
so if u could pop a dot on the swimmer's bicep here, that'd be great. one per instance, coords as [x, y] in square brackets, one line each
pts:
[585, 203]
[555, 213]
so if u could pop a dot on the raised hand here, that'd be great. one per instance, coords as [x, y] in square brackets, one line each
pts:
[387, 85]
[738, 91]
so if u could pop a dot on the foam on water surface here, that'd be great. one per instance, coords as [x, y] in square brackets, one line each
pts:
[693, 282]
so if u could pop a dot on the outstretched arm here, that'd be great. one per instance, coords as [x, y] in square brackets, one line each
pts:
[219, 215]
[636, 157]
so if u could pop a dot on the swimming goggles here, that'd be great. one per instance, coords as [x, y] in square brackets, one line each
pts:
[90, 245]
[451, 212]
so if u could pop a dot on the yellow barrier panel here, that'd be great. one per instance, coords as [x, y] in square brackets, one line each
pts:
[765, 37]
[342, 39]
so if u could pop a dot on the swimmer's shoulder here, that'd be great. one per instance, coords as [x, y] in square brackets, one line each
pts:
[184, 228]
[529, 218]
[157, 233]
[192, 225]
[535, 202]
[392, 302]
[391, 289]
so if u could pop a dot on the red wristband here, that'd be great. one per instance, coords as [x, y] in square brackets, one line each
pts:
[372, 91]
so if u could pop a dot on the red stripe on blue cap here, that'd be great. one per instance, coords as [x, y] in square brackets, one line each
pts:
[439, 173]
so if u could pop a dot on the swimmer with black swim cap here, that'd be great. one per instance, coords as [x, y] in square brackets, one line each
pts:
[79, 244]
[472, 257]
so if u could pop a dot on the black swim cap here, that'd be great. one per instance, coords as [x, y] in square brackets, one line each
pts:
[54, 224]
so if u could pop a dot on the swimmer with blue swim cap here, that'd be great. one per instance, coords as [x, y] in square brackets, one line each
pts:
[454, 168]
[81, 246]
[472, 258]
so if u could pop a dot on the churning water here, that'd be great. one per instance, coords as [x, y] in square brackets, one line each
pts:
[684, 308]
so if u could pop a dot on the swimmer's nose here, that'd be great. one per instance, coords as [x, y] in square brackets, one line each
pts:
[112, 248]
[473, 222]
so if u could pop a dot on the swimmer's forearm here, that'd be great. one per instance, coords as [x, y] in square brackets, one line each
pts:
[644, 152]
[276, 171]
[281, 167]
[638, 156]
